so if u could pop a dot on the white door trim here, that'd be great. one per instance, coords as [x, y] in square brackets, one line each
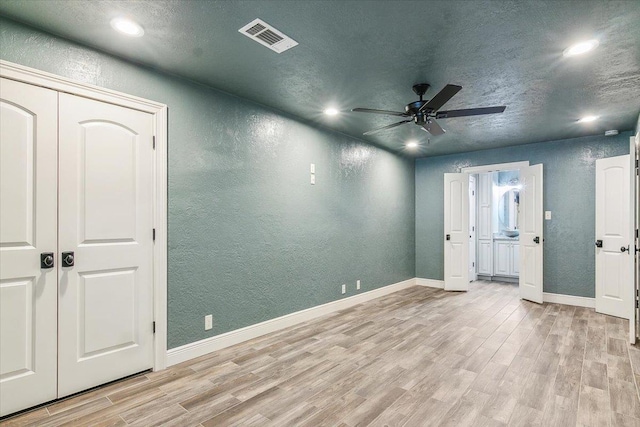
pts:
[495, 168]
[633, 198]
[35, 77]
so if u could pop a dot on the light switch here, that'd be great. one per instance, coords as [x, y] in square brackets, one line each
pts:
[313, 168]
[547, 214]
[313, 180]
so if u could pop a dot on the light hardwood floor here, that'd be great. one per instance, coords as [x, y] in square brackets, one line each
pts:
[418, 357]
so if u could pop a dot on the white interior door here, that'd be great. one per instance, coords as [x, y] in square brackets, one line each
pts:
[614, 262]
[531, 236]
[472, 228]
[28, 220]
[456, 229]
[105, 219]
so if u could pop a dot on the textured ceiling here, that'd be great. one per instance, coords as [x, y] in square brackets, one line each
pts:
[370, 53]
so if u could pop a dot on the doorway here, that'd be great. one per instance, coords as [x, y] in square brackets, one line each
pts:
[522, 217]
[497, 208]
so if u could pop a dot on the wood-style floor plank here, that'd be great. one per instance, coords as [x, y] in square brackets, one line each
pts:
[418, 357]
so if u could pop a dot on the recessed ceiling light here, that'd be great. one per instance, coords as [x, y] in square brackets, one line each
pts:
[412, 144]
[331, 112]
[127, 26]
[588, 119]
[580, 48]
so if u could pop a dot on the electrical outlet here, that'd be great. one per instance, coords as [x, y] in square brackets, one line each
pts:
[344, 289]
[208, 322]
[358, 284]
[547, 214]
[313, 179]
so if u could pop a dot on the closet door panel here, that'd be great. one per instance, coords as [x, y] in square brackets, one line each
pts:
[106, 182]
[28, 227]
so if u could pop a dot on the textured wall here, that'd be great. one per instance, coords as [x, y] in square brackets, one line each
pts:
[249, 238]
[569, 192]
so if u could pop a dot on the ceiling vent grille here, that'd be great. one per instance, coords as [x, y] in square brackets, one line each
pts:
[268, 36]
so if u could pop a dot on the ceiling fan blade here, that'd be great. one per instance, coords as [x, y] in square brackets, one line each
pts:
[387, 127]
[441, 98]
[386, 112]
[469, 112]
[433, 128]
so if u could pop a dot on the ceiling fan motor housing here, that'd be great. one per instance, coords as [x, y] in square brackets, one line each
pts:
[413, 109]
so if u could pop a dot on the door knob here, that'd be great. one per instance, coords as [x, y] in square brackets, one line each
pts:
[67, 259]
[448, 237]
[598, 243]
[536, 239]
[46, 260]
[623, 249]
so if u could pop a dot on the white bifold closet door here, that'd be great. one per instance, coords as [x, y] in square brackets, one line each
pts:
[28, 228]
[105, 219]
[76, 183]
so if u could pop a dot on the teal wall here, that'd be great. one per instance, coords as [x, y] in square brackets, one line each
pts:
[249, 238]
[569, 193]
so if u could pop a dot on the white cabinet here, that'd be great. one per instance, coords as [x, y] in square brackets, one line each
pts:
[484, 206]
[485, 258]
[506, 258]
[484, 233]
[515, 258]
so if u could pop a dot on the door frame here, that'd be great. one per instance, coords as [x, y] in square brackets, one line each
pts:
[472, 228]
[634, 198]
[159, 111]
[473, 170]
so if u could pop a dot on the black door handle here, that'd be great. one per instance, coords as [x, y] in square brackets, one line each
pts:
[623, 249]
[46, 260]
[598, 243]
[536, 239]
[448, 237]
[67, 259]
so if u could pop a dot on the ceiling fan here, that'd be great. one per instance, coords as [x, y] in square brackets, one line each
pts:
[423, 113]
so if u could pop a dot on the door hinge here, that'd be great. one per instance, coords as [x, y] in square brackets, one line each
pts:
[154, 142]
[473, 264]
[154, 327]
[154, 234]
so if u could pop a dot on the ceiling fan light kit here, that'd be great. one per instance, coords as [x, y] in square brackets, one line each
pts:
[423, 113]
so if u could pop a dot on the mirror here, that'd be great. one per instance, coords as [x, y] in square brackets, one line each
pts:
[508, 197]
[508, 210]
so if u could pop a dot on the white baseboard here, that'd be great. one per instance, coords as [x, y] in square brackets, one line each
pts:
[569, 300]
[207, 345]
[432, 283]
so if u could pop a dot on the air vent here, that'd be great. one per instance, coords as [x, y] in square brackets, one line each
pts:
[268, 36]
